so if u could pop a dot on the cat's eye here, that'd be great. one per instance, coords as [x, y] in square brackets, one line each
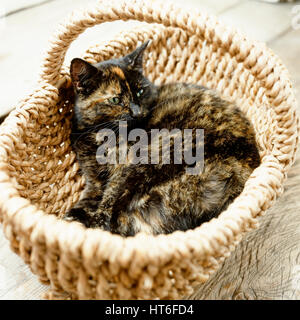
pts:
[114, 100]
[140, 92]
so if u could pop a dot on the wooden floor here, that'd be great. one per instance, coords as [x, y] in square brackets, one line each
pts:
[24, 33]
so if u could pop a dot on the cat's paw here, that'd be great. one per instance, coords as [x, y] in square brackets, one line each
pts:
[79, 215]
[103, 220]
[89, 220]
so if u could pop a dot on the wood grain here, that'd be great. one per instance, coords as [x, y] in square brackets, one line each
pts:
[16, 280]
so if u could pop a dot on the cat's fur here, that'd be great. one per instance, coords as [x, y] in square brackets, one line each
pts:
[155, 198]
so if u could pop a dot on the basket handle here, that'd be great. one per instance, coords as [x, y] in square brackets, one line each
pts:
[140, 10]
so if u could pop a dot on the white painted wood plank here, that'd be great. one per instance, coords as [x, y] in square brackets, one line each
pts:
[209, 6]
[258, 20]
[9, 6]
[23, 41]
[16, 280]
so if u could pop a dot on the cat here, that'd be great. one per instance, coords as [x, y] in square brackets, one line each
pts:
[159, 198]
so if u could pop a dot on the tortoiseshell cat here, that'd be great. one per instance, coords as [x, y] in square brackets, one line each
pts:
[155, 198]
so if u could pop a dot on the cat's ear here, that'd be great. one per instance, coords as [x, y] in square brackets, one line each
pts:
[134, 60]
[81, 71]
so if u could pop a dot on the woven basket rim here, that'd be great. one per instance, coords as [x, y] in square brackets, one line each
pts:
[212, 241]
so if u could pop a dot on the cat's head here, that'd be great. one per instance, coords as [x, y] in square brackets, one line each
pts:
[112, 90]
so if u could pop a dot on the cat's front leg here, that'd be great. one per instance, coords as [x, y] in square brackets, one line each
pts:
[118, 191]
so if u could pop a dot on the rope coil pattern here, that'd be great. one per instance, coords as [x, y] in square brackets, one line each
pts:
[39, 177]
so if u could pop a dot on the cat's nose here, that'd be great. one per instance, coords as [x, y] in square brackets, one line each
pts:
[136, 111]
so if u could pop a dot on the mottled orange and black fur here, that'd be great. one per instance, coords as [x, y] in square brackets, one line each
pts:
[155, 198]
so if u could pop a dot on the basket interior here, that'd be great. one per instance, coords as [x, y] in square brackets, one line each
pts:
[43, 165]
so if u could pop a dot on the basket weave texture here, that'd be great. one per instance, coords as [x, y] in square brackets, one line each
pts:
[39, 178]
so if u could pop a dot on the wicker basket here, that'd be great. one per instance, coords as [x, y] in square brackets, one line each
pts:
[39, 177]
